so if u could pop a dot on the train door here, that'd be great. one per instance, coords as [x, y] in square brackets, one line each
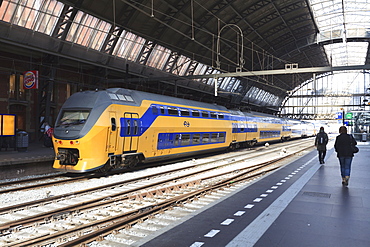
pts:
[234, 131]
[112, 135]
[131, 127]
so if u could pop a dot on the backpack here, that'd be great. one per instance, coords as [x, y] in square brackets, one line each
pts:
[321, 140]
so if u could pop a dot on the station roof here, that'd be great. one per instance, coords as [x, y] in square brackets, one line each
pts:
[225, 35]
[274, 33]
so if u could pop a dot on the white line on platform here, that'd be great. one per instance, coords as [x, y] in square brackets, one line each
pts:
[254, 231]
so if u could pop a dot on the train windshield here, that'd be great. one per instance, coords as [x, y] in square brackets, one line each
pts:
[73, 117]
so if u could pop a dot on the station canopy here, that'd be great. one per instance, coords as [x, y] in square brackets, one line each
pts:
[209, 37]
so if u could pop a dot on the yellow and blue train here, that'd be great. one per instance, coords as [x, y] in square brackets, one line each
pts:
[107, 129]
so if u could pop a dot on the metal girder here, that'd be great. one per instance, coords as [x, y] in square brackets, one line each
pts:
[65, 21]
[282, 71]
[112, 39]
[44, 96]
[306, 116]
[171, 62]
[145, 52]
[256, 73]
[193, 65]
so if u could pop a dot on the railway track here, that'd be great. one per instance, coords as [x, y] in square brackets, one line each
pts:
[83, 216]
[55, 179]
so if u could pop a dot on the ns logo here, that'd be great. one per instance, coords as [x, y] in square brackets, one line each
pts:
[186, 124]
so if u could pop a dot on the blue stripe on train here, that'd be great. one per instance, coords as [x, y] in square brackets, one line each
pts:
[137, 126]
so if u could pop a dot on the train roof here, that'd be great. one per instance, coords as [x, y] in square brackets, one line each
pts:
[136, 97]
[103, 98]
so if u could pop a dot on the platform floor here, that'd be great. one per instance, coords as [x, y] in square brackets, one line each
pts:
[35, 152]
[302, 204]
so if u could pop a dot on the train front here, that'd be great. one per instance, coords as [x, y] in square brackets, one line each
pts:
[79, 136]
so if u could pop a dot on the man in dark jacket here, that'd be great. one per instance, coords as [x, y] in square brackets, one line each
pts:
[344, 151]
[320, 143]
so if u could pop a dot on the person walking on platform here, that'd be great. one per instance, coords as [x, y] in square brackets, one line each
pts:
[344, 151]
[320, 143]
[48, 133]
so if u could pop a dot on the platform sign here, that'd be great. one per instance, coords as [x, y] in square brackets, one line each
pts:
[339, 115]
[7, 125]
[31, 79]
[349, 115]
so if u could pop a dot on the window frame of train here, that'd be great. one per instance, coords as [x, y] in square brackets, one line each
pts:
[130, 126]
[196, 138]
[264, 134]
[80, 121]
[158, 109]
[195, 113]
[177, 140]
[173, 111]
[204, 114]
[184, 112]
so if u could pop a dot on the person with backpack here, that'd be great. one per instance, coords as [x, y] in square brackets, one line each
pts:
[343, 146]
[320, 143]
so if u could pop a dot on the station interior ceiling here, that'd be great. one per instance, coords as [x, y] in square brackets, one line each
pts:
[156, 46]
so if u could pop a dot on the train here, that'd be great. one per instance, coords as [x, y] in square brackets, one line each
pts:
[100, 130]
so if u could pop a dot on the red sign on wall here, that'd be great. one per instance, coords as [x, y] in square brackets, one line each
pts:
[31, 79]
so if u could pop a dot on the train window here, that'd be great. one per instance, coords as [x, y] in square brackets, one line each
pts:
[177, 137]
[221, 116]
[214, 137]
[196, 113]
[121, 97]
[205, 138]
[129, 98]
[128, 126]
[173, 111]
[196, 139]
[113, 123]
[213, 115]
[185, 139]
[161, 108]
[205, 114]
[235, 127]
[136, 127]
[221, 137]
[154, 110]
[160, 141]
[73, 117]
[185, 112]
[113, 96]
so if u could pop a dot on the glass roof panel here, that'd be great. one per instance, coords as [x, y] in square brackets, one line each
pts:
[346, 54]
[341, 19]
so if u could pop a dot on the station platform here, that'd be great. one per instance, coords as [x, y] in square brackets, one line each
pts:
[35, 152]
[301, 204]
[35, 160]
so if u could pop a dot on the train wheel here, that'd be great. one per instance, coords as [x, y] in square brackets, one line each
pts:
[105, 169]
[232, 147]
[131, 161]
